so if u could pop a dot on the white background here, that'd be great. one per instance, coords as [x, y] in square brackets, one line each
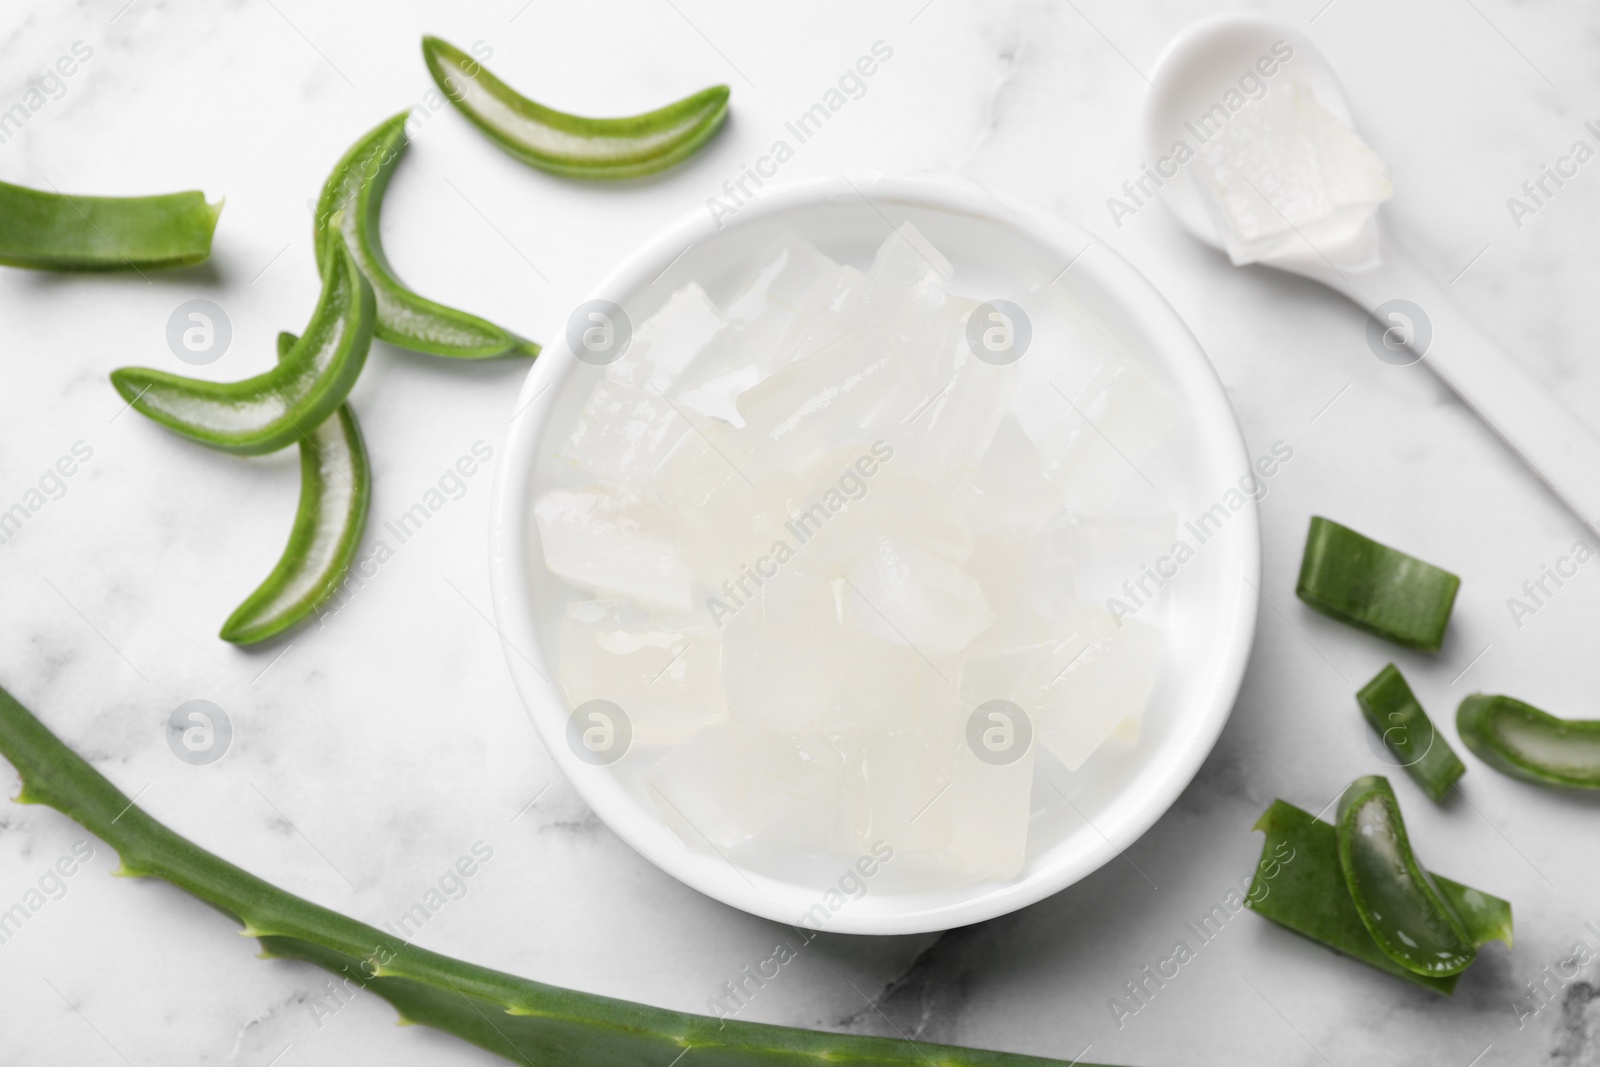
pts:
[371, 753]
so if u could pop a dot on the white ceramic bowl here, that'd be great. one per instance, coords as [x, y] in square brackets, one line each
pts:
[1208, 614]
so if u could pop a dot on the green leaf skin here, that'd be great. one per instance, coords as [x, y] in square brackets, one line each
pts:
[570, 145]
[1375, 588]
[1397, 716]
[352, 203]
[1397, 901]
[525, 1021]
[1306, 892]
[335, 492]
[1520, 740]
[268, 412]
[53, 231]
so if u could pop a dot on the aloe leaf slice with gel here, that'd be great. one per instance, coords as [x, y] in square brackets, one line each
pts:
[284, 405]
[572, 145]
[335, 492]
[1520, 740]
[1308, 893]
[351, 204]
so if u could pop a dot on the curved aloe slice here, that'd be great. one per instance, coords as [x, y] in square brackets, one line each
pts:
[569, 144]
[1520, 740]
[1396, 899]
[335, 491]
[1394, 712]
[53, 231]
[267, 412]
[351, 203]
[1300, 885]
[522, 1020]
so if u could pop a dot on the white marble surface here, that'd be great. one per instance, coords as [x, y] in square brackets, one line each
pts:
[375, 751]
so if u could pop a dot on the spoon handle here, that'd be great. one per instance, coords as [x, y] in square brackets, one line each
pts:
[1560, 447]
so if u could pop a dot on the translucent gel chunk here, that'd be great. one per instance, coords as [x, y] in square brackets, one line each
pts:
[1011, 492]
[838, 394]
[1090, 683]
[894, 782]
[665, 343]
[737, 781]
[731, 501]
[840, 511]
[988, 806]
[1286, 166]
[613, 542]
[1108, 426]
[669, 683]
[767, 308]
[948, 433]
[906, 595]
[785, 653]
[623, 434]
[905, 286]
[1118, 555]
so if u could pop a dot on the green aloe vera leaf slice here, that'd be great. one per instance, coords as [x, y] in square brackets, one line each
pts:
[522, 1020]
[56, 231]
[571, 145]
[271, 410]
[1375, 588]
[1398, 903]
[335, 492]
[1407, 732]
[352, 203]
[1520, 740]
[1300, 885]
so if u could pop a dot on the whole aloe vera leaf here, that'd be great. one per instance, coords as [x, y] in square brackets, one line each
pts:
[352, 203]
[572, 145]
[1307, 893]
[525, 1021]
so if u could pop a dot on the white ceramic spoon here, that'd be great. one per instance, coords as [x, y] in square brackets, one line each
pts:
[1195, 73]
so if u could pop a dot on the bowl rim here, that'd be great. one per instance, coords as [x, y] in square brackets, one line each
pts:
[510, 567]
